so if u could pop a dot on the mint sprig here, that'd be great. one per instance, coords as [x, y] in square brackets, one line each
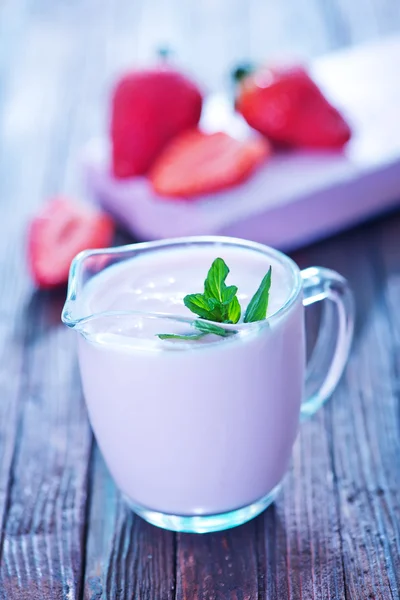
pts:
[219, 303]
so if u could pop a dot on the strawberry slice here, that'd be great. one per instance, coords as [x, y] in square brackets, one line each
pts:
[60, 231]
[287, 106]
[197, 163]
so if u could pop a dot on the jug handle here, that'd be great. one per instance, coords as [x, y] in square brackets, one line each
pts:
[335, 335]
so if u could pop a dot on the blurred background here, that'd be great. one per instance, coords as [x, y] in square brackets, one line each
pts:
[60, 58]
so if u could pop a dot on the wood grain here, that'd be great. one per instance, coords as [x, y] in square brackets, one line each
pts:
[42, 547]
[275, 32]
[300, 544]
[45, 503]
[360, 21]
[222, 566]
[125, 557]
[142, 562]
[363, 422]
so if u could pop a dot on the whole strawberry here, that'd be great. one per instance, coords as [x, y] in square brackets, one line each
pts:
[149, 107]
[286, 105]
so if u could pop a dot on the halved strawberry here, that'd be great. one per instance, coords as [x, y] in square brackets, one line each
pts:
[60, 231]
[198, 163]
[287, 106]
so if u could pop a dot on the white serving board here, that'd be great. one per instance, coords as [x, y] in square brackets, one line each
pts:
[297, 197]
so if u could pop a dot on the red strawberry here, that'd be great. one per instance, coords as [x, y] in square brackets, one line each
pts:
[61, 230]
[287, 106]
[148, 109]
[198, 163]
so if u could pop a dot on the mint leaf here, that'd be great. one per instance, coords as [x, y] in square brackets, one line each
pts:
[206, 308]
[205, 329]
[210, 328]
[215, 289]
[228, 294]
[199, 304]
[214, 284]
[257, 309]
[219, 302]
[234, 311]
[173, 336]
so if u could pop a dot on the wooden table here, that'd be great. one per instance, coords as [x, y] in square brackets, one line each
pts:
[334, 532]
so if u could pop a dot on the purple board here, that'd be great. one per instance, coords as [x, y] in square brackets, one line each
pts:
[296, 197]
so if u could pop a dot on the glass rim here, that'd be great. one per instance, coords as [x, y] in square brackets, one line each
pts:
[75, 273]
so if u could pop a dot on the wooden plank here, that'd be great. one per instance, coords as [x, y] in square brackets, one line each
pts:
[337, 26]
[102, 519]
[216, 37]
[12, 293]
[45, 504]
[299, 544]
[363, 425]
[360, 19]
[125, 557]
[388, 16]
[143, 560]
[389, 269]
[218, 566]
[296, 29]
[22, 182]
[364, 19]
[13, 17]
[45, 519]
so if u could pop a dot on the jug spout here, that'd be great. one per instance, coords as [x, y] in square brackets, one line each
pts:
[92, 310]
[87, 265]
[85, 309]
[84, 268]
